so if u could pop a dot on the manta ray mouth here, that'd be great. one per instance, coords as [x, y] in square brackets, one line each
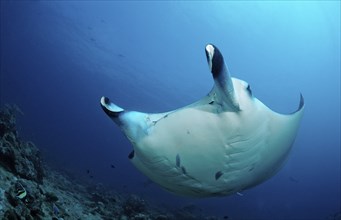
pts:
[110, 108]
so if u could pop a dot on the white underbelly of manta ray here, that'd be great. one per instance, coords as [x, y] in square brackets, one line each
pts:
[224, 143]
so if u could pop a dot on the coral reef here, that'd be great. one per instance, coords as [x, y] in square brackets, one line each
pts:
[19, 157]
[31, 190]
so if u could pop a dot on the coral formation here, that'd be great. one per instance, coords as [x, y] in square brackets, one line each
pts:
[19, 157]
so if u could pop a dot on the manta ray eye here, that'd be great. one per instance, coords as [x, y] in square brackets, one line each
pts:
[248, 88]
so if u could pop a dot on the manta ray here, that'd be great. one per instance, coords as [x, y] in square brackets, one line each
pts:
[222, 144]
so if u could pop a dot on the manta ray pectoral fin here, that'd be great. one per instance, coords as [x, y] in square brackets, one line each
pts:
[223, 90]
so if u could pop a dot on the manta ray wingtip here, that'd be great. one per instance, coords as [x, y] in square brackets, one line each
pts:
[301, 102]
[110, 108]
[301, 105]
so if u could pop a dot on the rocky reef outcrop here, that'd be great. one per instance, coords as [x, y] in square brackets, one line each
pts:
[19, 157]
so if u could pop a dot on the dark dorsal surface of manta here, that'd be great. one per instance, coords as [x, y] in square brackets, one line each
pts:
[226, 142]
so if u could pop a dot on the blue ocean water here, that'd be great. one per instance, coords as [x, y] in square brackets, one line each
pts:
[59, 58]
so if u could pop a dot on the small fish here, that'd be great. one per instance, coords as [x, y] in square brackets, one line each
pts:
[112, 166]
[21, 193]
[218, 175]
[177, 160]
[87, 171]
[55, 209]
[240, 194]
[183, 170]
[131, 155]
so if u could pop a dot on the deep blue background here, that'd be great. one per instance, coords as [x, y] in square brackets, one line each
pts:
[59, 58]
